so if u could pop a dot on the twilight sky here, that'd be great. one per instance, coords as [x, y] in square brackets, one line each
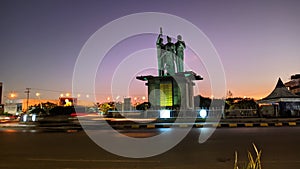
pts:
[258, 42]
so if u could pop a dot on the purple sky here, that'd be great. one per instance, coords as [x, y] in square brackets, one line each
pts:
[258, 41]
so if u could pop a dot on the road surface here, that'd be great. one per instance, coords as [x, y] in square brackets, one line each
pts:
[34, 149]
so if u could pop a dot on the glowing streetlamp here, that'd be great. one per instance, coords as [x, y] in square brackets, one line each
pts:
[203, 113]
[12, 95]
[38, 95]
[135, 100]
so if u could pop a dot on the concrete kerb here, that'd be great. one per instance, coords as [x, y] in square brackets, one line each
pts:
[232, 123]
[203, 125]
[226, 123]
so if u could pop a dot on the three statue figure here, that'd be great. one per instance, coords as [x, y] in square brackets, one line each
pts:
[170, 55]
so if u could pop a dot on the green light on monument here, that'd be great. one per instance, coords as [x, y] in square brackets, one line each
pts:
[166, 98]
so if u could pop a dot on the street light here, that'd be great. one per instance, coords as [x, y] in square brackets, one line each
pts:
[12, 95]
[38, 95]
[135, 100]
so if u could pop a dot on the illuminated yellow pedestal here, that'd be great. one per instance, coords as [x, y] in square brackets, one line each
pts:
[171, 92]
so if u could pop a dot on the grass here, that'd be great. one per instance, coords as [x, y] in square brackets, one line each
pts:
[253, 163]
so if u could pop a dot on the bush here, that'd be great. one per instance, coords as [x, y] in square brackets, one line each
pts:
[61, 110]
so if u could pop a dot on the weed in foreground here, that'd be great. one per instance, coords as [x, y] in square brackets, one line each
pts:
[252, 164]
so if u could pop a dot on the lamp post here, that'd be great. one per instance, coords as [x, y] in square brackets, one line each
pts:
[38, 95]
[12, 96]
[27, 102]
[11, 102]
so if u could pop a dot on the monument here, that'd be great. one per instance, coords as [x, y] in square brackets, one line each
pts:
[173, 87]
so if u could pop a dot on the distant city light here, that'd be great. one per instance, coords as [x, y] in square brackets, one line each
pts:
[67, 94]
[68, 102]
[33, 118]
[24, 117]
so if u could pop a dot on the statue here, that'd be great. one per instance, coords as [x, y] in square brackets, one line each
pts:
[160, 49]
[169, 55]
[165, 56]
[179, 48]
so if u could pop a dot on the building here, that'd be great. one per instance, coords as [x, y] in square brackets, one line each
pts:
[16, 106]
[127, 104]
[294, 84]
[281, 102]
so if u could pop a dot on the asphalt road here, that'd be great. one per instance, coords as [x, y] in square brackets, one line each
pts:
[34, 149]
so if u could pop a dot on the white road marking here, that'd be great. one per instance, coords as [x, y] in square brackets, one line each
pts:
[87, 160]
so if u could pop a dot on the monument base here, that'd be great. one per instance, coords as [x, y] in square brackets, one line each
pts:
[174, 92]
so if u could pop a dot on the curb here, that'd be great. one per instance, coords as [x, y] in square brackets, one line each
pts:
[206, 125]
[169, 125]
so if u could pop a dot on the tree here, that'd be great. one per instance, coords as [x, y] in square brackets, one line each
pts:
[240, 103]
[143, 106]
[62, 110]
[200, 101]
[104, 107]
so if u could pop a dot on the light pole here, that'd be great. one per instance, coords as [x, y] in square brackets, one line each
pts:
[12, 96]
[38, 95]
[27, 92]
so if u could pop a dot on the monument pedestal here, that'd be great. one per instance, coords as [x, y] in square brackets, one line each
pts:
[174, 92]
